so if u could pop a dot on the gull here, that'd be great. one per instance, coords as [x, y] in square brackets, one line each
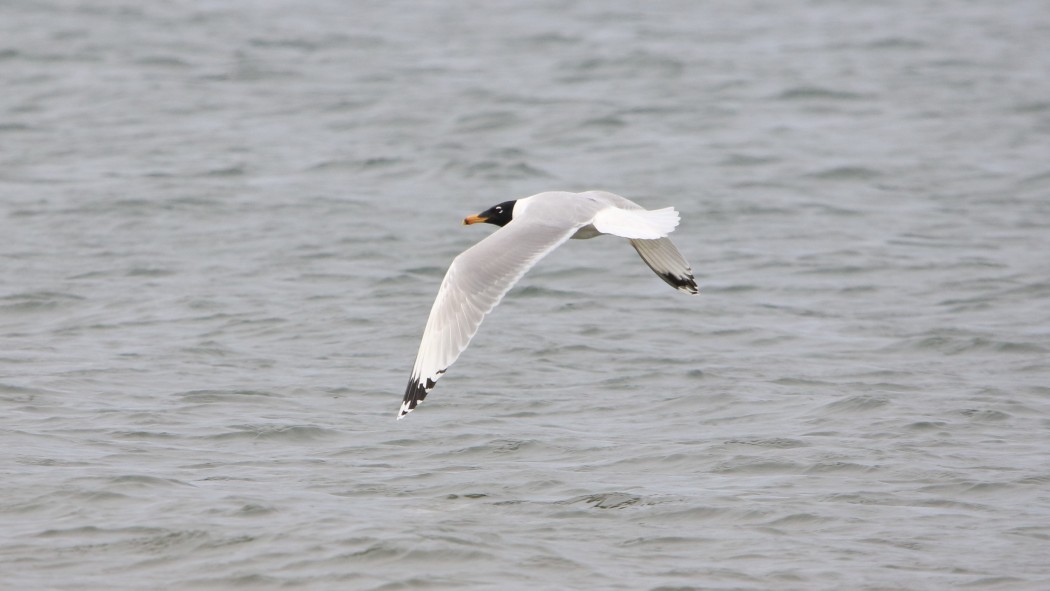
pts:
[530, 228]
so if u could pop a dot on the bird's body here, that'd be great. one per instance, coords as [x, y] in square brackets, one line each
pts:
[530, 228]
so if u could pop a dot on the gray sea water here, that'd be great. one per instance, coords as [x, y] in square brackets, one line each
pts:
[223, 225]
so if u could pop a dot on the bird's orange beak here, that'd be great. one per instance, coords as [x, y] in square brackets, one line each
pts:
[474, 219]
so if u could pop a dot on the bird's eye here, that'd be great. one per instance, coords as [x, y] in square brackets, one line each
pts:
[499, 210]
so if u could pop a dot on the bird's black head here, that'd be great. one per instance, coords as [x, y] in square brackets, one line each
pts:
[497, 214]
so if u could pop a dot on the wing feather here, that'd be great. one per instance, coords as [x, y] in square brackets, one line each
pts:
[475, 282]
[665, 260]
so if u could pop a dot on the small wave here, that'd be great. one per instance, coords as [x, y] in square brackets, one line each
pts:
[954, 344]
[896, 43]
[11, 127]
[1033, 107]
[454, 496]
[164, 61]
[493, 170]
[144, 481]
[818, 93]
[748, 160]
[612, 500]
[149, 272]
[926, 425]
[1038, 532]
[861, 403]
[993, 582]
[254, 510]
[833, 467]
[374, 163]
[92, 530]
[49, 462]
[846, 173]
[486, 121]
[439, 550]
[290, 434]
[775, 442]
[798, 519]
[143, 435]
[429, 270]
[605, 122]
[533, 290]
[984, 414]
[494, 447]
[305, 45]
[235, 170]
[36, 301]
[757, 466]
[659, 542]
[18, 393]
[631, 65]
[239, 396]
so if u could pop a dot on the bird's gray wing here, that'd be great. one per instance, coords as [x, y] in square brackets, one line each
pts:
[475, 282]
[664, 259]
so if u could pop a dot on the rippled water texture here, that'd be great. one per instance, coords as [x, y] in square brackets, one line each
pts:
[224, 224]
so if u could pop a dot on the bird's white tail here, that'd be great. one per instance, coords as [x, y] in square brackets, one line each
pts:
[638, 224]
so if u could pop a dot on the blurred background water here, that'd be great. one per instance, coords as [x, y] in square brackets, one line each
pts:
[224, 224]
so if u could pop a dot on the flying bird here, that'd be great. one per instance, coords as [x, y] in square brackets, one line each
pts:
[529, 229]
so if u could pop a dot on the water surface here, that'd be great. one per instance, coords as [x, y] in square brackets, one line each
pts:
[224, 224]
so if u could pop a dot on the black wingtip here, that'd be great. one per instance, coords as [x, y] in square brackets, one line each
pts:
[686, 283]
[414, 394]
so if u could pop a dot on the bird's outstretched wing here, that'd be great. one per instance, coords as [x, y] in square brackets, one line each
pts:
[475, 282]
[665, 260]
